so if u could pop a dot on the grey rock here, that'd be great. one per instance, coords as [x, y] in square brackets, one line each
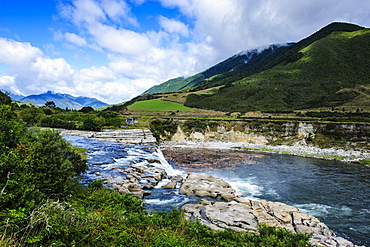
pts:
[203, 185]
[243, 214]
[170, 185]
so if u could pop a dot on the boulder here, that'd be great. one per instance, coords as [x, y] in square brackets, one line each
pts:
[170, 185]
[204, 185]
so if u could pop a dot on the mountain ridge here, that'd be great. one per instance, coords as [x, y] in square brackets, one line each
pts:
[62, 100]
[326, 69]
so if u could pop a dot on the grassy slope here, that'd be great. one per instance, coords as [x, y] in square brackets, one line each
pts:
[333, 71]
[158, 105]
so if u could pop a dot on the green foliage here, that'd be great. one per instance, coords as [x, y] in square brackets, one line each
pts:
[196, 125]
[42, 165]
[166, 87]
[5, 99]
[33, 116]
[86, 109]
[50, 104]
[90, 124]
[10, 129]
[56, 122]
[329, 72]
[163, 129]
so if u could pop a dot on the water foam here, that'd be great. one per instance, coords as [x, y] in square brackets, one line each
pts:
[165, 165]
[321, 210]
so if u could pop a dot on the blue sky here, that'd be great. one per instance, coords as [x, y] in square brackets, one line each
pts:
[114, 50]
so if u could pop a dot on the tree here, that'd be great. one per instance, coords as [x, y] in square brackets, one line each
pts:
[5, 99]
[86, 109]
[42, 165]
[90, 124]
[32, 115]
[10, 128]
[34, 164]
[50, 104]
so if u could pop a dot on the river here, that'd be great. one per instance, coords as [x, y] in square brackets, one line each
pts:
[337, 193]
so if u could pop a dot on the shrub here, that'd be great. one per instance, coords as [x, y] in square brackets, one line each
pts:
[163, 129]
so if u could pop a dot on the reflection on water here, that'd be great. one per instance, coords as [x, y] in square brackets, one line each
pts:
[335, 192]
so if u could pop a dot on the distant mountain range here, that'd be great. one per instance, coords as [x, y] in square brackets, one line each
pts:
[330, 68]
[61, 100]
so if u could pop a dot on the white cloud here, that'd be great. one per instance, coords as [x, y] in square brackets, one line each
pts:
[234, 25]
[117, 10]
[120, 40]
[15, 53]
[7, 83]
[173, 26]
[75, 39]
[85, 11]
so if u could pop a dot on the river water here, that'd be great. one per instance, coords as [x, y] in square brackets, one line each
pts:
[337, 193]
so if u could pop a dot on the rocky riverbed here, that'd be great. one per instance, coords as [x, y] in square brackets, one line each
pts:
[206, 160]
[221, 207]
[297, 149]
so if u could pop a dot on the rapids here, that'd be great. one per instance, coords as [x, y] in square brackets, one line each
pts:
[335, 192]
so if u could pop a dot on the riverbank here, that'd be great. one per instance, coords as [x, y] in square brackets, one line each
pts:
[333, 153]
[166, 196]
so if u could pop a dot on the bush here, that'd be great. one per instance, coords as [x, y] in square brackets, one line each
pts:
[42, 165]
[163, 129]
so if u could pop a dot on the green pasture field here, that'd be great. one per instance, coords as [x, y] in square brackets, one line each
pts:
[158, 105]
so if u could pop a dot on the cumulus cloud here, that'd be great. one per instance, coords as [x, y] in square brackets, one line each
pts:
[35, 73]
[7, 83]
[138, 58]
[120, 40]
[234, 25]
[17, 54]
[173, 26]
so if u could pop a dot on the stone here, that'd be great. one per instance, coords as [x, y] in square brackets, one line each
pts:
[134, 187]
[177, 179]
[202, 184]
[170, 185]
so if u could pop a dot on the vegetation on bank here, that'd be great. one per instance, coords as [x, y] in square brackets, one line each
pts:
[51, 116]
[43, 203]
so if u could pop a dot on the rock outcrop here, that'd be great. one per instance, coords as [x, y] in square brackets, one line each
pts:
[263, 132]
[138, 180]
[123, 136]
[205, 185]
[242, 214]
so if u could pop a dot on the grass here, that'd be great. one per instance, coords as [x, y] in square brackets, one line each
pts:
[158, 105]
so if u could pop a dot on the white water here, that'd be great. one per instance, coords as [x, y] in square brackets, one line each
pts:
[335, 192]
[165, 165]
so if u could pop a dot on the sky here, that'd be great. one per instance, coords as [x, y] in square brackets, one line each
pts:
[114, 50]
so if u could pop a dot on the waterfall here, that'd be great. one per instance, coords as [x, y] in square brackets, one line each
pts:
[166, 166]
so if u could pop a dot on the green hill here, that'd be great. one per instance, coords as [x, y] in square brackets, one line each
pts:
[247, 63]
[331, 71]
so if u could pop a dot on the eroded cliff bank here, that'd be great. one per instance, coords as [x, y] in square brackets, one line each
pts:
[342, 141]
